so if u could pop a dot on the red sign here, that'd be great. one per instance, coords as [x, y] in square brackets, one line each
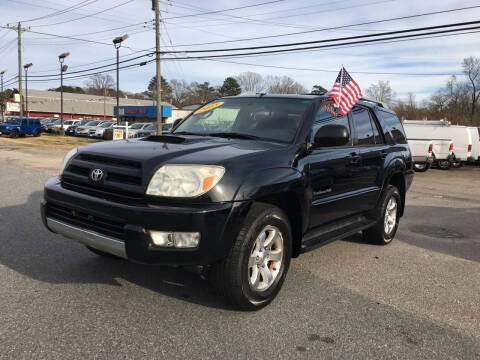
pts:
[135, 111]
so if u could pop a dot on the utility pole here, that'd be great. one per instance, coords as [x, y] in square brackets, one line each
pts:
[19, 30]
[2, 104]
[157, 60]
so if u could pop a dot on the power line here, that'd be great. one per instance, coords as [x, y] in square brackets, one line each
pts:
[86, 16]
[224, 10]
[61, 12]
[331, 40]
[336, 27]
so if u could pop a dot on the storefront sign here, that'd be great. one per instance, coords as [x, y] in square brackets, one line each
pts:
[13, 107]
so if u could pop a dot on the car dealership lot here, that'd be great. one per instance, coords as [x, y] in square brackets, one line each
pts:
[416, 298]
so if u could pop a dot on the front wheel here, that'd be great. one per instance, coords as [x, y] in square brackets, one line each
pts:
[421, 167]
[254, 271]
[388, 214]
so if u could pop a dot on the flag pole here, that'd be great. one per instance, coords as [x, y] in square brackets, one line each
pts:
[341, 83]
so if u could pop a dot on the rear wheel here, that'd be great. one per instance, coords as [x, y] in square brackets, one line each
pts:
[13, 134]
[37, 133]
[444, 164]
[253, 273]
[388, 215]
[421, 167]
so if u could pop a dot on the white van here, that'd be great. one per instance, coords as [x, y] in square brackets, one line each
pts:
[460, 136]
[475, 134]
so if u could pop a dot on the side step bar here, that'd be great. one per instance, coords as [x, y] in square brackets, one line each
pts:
[338, 230]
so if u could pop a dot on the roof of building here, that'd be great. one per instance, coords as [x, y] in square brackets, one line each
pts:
[49, 102]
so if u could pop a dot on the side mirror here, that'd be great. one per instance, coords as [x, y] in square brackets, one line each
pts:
[331, 135]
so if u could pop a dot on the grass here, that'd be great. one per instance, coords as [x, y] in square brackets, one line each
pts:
[50, 140]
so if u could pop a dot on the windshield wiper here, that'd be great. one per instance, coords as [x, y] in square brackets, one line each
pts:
[234, 135]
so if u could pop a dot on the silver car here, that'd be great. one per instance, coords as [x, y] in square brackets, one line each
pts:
[83, 130]
[97, 131]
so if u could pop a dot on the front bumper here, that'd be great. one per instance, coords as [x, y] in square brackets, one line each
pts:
[122, 229]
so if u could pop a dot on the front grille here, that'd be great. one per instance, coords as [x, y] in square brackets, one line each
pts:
[86, 221]
[122, 177]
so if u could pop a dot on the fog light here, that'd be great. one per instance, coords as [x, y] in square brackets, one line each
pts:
[186, 240]
[180, 240]
[162, 238]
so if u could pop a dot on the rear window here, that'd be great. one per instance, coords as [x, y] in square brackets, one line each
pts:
[392, 127]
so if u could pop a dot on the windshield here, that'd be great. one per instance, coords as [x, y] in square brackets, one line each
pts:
[68, 122]
[92, 123]
[261, 117]
[151, 127]
[106, 124]
[56, 122]
[137, 126]
[15, 121]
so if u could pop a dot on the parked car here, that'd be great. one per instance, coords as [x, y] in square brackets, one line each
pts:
[475, 135]
[84, 129]
[135, 127]
[151, 130]
[71, 129]
[57, 125]
[422, 153]
[48, 120]
[49, 125]
[240, 187]
[98, 131]
[460, 136]
[21, 126]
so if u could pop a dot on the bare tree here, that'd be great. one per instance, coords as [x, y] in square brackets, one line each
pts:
[381, 91]
[471, 68]
[180, 92]
[284, 85]
[251, 82]
[97, 84]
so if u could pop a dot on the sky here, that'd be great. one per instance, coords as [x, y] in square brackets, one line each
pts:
[187, 22]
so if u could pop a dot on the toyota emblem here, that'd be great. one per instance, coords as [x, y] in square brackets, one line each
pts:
[96, 175]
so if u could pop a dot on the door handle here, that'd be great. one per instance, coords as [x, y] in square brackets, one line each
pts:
[354, 158]
[383, 154]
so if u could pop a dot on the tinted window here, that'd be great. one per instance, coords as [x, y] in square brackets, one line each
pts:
[363, 126]
[392, 127]
[325, 118]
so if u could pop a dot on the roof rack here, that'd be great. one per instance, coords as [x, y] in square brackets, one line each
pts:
[378, 103]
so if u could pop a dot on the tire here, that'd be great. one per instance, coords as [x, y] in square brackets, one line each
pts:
[457, 164]
[444, 164]
[13, 134]
[37, 133]
[384, 231]
[421, 167]
[240, 278]
[101, 253]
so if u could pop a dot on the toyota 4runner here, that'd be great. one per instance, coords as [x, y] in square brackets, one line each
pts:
[239, 187]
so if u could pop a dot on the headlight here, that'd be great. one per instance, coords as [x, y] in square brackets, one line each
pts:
[184, 180]
[67, 158]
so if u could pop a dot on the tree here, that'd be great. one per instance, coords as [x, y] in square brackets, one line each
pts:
[251, 82]
[284, 85]
[166, 89]
[230, 87]
[180, 92]
[98, 84]
[69, 89]
[471, 68]
[382, 91]
[318, 90]
[203, 92]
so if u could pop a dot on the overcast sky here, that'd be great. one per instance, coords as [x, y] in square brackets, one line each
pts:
[95, 19]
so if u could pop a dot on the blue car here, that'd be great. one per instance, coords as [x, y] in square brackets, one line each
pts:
[21, 127]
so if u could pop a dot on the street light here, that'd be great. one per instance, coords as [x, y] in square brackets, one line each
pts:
[63, 68]
[26, 66]
[117, 42]
[1, 76]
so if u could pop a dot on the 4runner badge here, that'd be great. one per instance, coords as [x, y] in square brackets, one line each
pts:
[96, 175]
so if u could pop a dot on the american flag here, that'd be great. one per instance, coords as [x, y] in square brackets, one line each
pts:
[345, 92]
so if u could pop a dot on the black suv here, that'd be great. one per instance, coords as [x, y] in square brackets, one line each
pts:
[239, 187]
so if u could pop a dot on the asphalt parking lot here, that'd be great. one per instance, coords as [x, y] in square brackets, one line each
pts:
[416, 298]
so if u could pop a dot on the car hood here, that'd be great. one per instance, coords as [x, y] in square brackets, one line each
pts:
[8, 125]
[153, 152]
